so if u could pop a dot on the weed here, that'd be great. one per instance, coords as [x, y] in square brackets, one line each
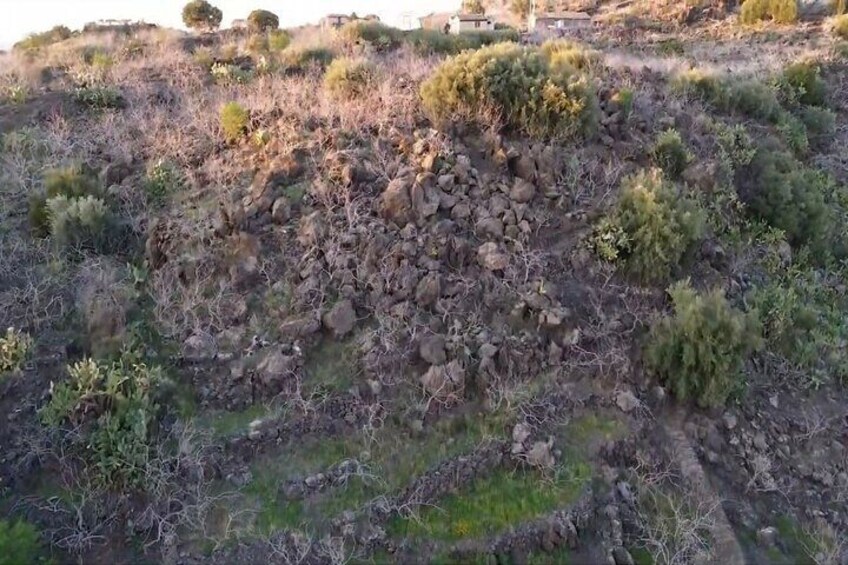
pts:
[163, 179]
[73, 182]
[302, 59]
[100, 97]
[15, 347]
[80, 223]
[700, 350]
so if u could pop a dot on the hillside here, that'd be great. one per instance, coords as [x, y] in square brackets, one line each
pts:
[375, 296]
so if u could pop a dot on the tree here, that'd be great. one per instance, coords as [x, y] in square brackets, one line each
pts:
[200, 14]
[473, 7]
[262, 20]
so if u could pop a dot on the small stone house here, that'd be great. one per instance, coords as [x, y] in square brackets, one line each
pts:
[547, 21]
[460, 23]
[334, 21]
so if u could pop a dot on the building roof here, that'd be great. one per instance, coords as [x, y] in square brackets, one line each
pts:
[336, 16]
[563, 16]
[472, 17]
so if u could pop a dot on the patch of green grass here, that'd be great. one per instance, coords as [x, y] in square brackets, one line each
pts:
[296, 192]
[332, 365]
[494, 503]
[224, 423]
[582, 431]
[794, 539]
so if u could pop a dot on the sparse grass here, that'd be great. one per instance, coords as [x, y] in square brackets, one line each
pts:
[229, 423]
[332, 366]
[495, 503]
[19, 543]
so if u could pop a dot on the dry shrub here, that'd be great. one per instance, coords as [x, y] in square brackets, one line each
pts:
[840, 26]
[517, 82]
[234, 121]
[778, 11]
[346, 78]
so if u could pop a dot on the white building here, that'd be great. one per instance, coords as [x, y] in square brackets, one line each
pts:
[460, 23]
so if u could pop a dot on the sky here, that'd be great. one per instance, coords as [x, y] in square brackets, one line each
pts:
[21, 17]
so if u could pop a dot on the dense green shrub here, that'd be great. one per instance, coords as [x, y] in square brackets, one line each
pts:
[224, 73]
[74, 181]
[15, 347]
[434, 42]
[302, 59]
[119, 399]
[375, 34]
[19, 543]
[346, 78]
[699, 352]
[201, 15]
[801, 83]
[779, 190]
[779, 11]
[234, 121]
[840, 26]
[260, 21]
[650, 229]
[517, 83]
[670, 153]
[700, 84]
[80, 223]
[100, 97]
[794, 133]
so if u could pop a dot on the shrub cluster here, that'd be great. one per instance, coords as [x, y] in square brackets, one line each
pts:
[234, 121]
[434, 42]
[374, 34]
[80, 223]
[788, 196]
[346, 78]
[778, 11]
[801, 83]
[75, 181]
[36, 41]
[699, 352]
[225, 73]
[650, 229]
[100, 97]
[297, 60]
[116, 404]
[15, 347]
[519, 84]
[571, 54]
[670, 153]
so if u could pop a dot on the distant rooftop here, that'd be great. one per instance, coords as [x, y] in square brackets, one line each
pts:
[563, 16]
[472, 17]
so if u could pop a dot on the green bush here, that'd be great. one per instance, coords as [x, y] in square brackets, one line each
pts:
[650, 229]
[801, 83]
[670, 153]
[517, 83]
[346, 78]
[302, 59]
[15, 347]
[75, 181]
[794, 133]
[820, 122]
[779, 11]
[224, 73]
[15, 94]
[100, 97]
[699, 352]
[753, 99]
[234, 121]
[80, 223]
[260, 21]
[840, 26]
[19, 543]
[201, 15]
[779, 190]
[375, 34]
[119, 399]
[434, 42]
